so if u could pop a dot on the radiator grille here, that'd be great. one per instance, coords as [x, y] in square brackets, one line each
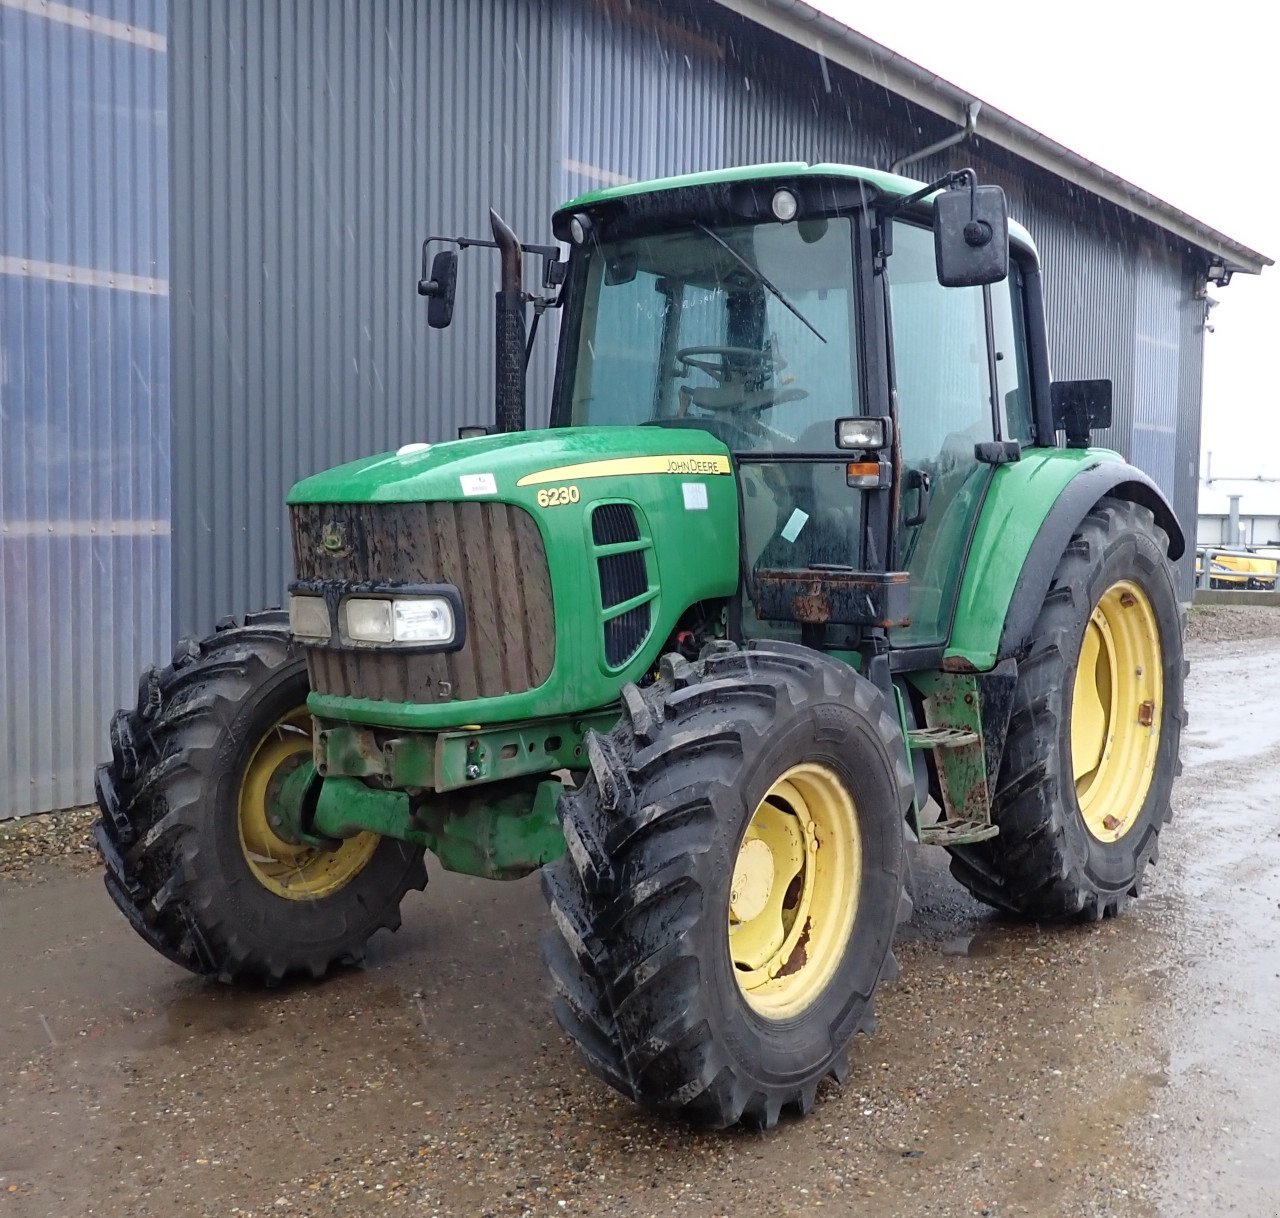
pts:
[614, 522]
[491, 552]
[624, 634]
[623, 576]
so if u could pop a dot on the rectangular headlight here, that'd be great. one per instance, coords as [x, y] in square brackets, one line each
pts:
[365, 620]
[860, 433]
[416, 619]
[309, 617]
[428, 619]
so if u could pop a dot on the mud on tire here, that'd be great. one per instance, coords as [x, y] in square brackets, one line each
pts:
[1045, 863]
[169, 832]
[639, 956]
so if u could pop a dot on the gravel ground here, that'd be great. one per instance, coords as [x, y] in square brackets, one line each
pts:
[1231, 623]
[1123, 1070]
[28, 845]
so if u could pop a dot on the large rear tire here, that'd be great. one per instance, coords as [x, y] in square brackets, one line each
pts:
[1092, 751]
[190, 858]
[727, 902]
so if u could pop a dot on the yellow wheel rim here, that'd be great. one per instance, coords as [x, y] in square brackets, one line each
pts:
[794, 895]
[1116, 711]
[299, 873]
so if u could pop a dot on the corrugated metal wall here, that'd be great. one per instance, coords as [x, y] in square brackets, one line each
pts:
[314, 146]
[84, 403]
[313, 143]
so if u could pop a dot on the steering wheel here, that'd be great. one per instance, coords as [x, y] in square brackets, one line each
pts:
[733, 365]
[739, 373]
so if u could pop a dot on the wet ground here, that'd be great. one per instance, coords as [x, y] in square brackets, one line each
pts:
[1128, 1068]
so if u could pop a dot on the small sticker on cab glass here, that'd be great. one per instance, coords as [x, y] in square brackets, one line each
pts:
[791, 530]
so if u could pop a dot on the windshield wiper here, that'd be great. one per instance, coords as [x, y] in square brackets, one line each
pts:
[759, 275]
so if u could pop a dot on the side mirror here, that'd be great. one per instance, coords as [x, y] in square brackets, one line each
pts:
[1079, 408]
[971, 236]
[440, 288]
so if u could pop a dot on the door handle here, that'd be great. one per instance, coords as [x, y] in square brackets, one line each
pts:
[919, 481]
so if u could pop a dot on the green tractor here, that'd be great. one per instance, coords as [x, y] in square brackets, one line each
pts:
[799, 572]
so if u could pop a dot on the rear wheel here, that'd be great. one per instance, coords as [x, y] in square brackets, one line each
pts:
[1092, 751]
[192, 859]
[726, 905]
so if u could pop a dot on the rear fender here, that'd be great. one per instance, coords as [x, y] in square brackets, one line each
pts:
[1031, 511]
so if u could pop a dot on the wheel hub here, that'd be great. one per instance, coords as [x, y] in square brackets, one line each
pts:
[1115, 711]
[752, 881]
[290, 869]
[794, 895]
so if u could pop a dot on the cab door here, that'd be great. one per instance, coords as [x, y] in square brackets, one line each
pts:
[943, 393]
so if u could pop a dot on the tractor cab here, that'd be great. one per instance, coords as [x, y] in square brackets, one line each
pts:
[799, 318]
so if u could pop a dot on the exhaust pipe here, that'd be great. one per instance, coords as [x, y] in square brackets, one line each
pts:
[510, 347]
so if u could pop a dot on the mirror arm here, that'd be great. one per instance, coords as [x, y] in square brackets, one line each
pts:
[553, 267]
[947, 181]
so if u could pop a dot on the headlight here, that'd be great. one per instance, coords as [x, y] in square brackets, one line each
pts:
[860, 433]
[309, 617]
[429, 620]
[418, 619]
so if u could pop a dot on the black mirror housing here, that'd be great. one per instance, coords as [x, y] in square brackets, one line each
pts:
[971, 236]
[440, 289]
[1080, 408]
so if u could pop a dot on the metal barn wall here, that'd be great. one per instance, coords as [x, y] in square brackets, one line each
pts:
[314, 144]
[84, 406]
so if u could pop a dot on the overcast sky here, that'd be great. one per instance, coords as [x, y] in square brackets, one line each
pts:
[1145, 94]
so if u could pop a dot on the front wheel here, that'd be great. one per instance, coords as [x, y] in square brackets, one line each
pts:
[191, 857]
[727, 902]
[1092, 751]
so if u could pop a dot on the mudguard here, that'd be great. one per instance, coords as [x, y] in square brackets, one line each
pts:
[1031, 510]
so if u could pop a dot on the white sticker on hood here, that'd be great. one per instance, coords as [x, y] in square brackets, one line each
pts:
[695, 496]
[478, 484]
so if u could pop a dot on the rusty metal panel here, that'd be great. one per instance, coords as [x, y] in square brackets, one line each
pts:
[84, 384]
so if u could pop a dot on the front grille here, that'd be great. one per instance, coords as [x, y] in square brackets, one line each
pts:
[624, 634]
[491, 552]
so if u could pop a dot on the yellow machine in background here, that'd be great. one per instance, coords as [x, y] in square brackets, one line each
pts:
[1237, 570]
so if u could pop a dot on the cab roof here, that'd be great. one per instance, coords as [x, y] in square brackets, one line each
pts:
[881, 180]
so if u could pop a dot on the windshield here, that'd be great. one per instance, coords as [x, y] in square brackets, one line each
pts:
[747, 331]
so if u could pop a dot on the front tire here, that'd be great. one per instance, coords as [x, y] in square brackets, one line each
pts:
[1092, 751]
[727, 902]
[190, 857]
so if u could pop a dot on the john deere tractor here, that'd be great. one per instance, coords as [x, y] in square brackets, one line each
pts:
[800, 571]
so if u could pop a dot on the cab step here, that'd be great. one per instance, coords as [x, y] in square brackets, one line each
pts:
[957, 832]
[940, 737]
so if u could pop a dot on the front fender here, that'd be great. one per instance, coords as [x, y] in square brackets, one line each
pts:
[1031, 510]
